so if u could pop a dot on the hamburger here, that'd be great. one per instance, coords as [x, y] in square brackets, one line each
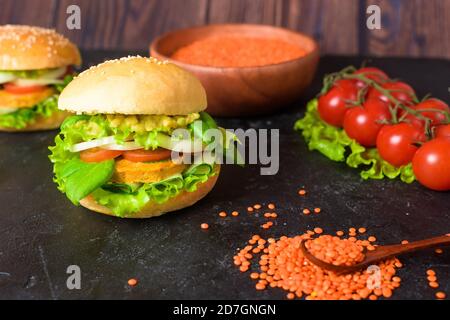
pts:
[115, 155]
[35, 65]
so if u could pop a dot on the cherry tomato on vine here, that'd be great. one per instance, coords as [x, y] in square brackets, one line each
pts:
[442, 131]
[333, 105]
[363, 123]
[413, 120]
[399, 90]
[431, 164]
[437, 117]
[396, 143]
[372, 73]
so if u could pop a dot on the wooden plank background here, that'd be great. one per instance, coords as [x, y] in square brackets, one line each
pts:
[409, 27]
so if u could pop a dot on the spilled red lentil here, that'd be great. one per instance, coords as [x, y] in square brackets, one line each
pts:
[282, 265]
[334, 250]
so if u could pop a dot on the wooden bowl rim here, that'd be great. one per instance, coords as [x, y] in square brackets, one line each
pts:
[314, 51]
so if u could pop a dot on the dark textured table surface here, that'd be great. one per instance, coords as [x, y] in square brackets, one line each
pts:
[42, 233]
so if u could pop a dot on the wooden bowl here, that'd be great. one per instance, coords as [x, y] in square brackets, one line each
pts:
[245, 91]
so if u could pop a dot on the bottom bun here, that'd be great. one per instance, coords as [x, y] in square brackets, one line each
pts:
[42, 123]
[153, 209]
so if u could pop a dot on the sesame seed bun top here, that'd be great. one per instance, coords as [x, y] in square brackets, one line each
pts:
[29, 48]
[134, 85]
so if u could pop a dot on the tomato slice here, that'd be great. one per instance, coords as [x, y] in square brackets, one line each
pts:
[99, 155]
[142, 155]
[12, 88]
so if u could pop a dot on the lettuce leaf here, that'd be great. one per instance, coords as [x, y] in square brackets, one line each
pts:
[122, 205]
[81, 178]
[377, 168]
[227, 148]
[25, 116]
[122, 187]
[336, 145]
[199, 128]
[197, 173]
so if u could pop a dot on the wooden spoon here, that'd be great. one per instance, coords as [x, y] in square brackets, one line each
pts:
[379, 254]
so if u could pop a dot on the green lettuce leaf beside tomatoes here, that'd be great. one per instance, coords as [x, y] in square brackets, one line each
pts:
[334, 143]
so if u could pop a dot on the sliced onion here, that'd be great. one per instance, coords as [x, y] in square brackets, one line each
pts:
[50, 77]
[92, 144]
[54, 74]
[126, 146]
[34, 82]
[185, 146]
[6, 77]
[164, 141]
[7, 110]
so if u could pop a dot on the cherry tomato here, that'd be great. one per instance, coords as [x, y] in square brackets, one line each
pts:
[399, 90]
[348, 86]
[12, 88]
[413, 120]
[396, 143]
[435, 116]
[364, 123]
[98, 155]
[431, 164]
[443, 131]
[142, 155]
[372, 73]
[334, 104]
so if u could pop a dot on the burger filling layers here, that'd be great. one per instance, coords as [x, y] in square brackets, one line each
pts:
[124, 162]
[27, 95]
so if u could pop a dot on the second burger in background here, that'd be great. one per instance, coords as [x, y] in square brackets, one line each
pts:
[35, 65]
[114, 156]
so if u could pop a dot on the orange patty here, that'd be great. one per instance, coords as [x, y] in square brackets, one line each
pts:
[26, 100]
[147, 172]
